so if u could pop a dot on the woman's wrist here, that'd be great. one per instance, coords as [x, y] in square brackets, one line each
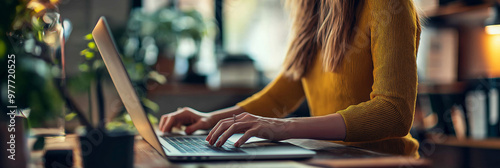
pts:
[295, 127]
[291, 125]
[329, 127]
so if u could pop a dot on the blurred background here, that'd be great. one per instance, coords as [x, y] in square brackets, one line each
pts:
[235, 47]
[211, 54]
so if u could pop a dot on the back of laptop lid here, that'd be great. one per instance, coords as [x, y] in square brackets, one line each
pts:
[107, 48]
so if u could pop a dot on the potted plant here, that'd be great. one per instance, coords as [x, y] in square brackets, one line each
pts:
[160, 33]
[110, 143]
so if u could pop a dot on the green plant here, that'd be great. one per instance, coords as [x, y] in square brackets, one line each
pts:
[147, 35]
[93, 70]
[37, 74]
[166, 26]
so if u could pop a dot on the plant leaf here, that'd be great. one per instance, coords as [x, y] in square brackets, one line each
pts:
[152, 119]
[83, 52]
[83, 67]
[70, 116]
[89, 55]
[91, 45]
[157, 77]
[150, 104]
[89, 37]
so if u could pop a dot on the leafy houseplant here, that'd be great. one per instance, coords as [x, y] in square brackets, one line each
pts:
[93, 71]
[37, 72]
[115, 134]
[159, 33]
[166, 26]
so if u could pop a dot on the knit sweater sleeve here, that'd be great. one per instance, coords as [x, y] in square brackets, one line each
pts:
[279, 98]
[394, 37]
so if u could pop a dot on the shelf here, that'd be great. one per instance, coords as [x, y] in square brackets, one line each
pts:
[489, 143]
[197, 89]
[453, 9]
[434, 88]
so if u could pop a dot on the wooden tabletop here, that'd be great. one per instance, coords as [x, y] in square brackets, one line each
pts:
[328, 155]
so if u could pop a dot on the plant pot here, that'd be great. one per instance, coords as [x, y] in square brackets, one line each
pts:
[107, 149]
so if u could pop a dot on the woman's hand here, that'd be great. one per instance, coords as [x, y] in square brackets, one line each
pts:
[251, 125]
[194, 120]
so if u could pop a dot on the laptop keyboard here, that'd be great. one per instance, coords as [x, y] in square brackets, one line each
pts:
[199, 145]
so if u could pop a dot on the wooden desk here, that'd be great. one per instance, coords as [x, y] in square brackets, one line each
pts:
[328, 155]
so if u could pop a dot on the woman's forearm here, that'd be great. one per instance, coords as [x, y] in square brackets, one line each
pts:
[329, 127]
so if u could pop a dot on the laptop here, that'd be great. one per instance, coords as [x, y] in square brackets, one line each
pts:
[182, 148]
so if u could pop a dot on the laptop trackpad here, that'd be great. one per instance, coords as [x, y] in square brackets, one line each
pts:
[254, 142]
[236, 137]
[258, 146]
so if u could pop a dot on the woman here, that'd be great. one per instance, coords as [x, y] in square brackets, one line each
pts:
[355, 63]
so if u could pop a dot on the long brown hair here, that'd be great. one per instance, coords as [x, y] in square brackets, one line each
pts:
[318, 24]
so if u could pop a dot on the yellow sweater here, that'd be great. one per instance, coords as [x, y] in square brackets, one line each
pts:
[374, 88]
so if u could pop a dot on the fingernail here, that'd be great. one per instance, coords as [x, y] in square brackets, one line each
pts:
[218, 144]
[236, 144]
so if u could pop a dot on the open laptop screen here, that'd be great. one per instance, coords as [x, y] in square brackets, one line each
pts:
[109, 53]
